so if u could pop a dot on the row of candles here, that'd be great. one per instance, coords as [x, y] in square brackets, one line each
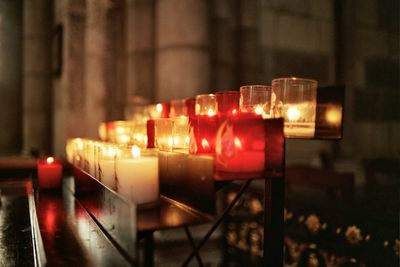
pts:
[228, 125]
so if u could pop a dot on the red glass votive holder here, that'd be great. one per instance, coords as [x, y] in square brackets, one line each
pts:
[228, 103]
[202, 132]
[240, 147]
[49, 173]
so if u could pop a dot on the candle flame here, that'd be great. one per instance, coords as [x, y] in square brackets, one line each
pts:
[124, 138]
[159, 107]
[187, 139]
[210, 112]
[111, 152]
[135, 152]
[204, 144]
[293, 114]
[234, 111]
[170, 142]
[119, 130]
[50, 160]
[259, 110]
[237, 142]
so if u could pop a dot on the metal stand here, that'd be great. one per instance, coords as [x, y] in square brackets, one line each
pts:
[217, 223]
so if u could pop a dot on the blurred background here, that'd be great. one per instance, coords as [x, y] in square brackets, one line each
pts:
[67, 65]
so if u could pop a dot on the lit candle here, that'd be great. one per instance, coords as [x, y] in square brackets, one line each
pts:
[228, 103]
[240, 146]
[107, 166]
[49, 173]
[295, 100]
[137, 176]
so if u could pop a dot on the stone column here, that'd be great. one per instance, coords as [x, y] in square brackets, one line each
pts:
[140, 22]
[37, 75]
[69, 89]
[95, 68]
[182, 45]
[10, 75]
[249, 68]
[223, 45]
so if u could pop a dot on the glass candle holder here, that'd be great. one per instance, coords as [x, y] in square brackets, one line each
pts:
[256, 99]
[160, 110]
[240, 147]
[139, 134]
[202, 131]
[137, 175]
[206, 105]
[164, 134]
[295, 100]
[106, 165]
[228, 103]
[178, 108]
[181, 132]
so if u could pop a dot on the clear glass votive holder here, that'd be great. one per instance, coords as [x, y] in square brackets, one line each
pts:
[178, 108]
[164, 134]
[256, 99]
[295, 100]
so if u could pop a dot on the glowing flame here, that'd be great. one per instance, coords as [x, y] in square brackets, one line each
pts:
[259, 110]
[159, 107]
[124, 139]
[234, 111]
[210, 112]
[110, 152]
[50, 160]
[204, 144]
[135, 152]
[293, 114]
[237, 142]
[79, 143]
[187, 139]
[119, 130]
[333, 116]
[170, 141]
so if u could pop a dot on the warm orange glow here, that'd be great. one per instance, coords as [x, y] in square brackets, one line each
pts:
[333, 116]
[159, 107]
[210, 112]
[124, 138]
[50, 160]
[204, 144]
[234, 111]
[135, 152]
[170, 142]
[293, 114]
[187, 139]
[259, 110]
[237, 142]
[119, 130]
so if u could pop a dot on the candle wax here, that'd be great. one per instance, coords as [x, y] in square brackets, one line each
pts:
[107, 167]
[138, 179]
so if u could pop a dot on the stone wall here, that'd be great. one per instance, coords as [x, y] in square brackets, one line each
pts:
[10, 76]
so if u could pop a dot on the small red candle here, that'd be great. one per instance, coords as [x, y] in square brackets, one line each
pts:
[49, 173]
[150, 134]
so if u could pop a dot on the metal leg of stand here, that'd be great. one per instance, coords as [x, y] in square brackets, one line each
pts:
[189, 235]
[273, 221]
[215, 225]
[148, 260]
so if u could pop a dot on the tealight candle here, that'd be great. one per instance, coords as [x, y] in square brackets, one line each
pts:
[295, 100]
[256, 99]
[137, 176]
[164, 134]
[49, 173]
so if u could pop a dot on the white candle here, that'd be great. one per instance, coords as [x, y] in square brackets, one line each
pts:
[107, 172]
[138, 177]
